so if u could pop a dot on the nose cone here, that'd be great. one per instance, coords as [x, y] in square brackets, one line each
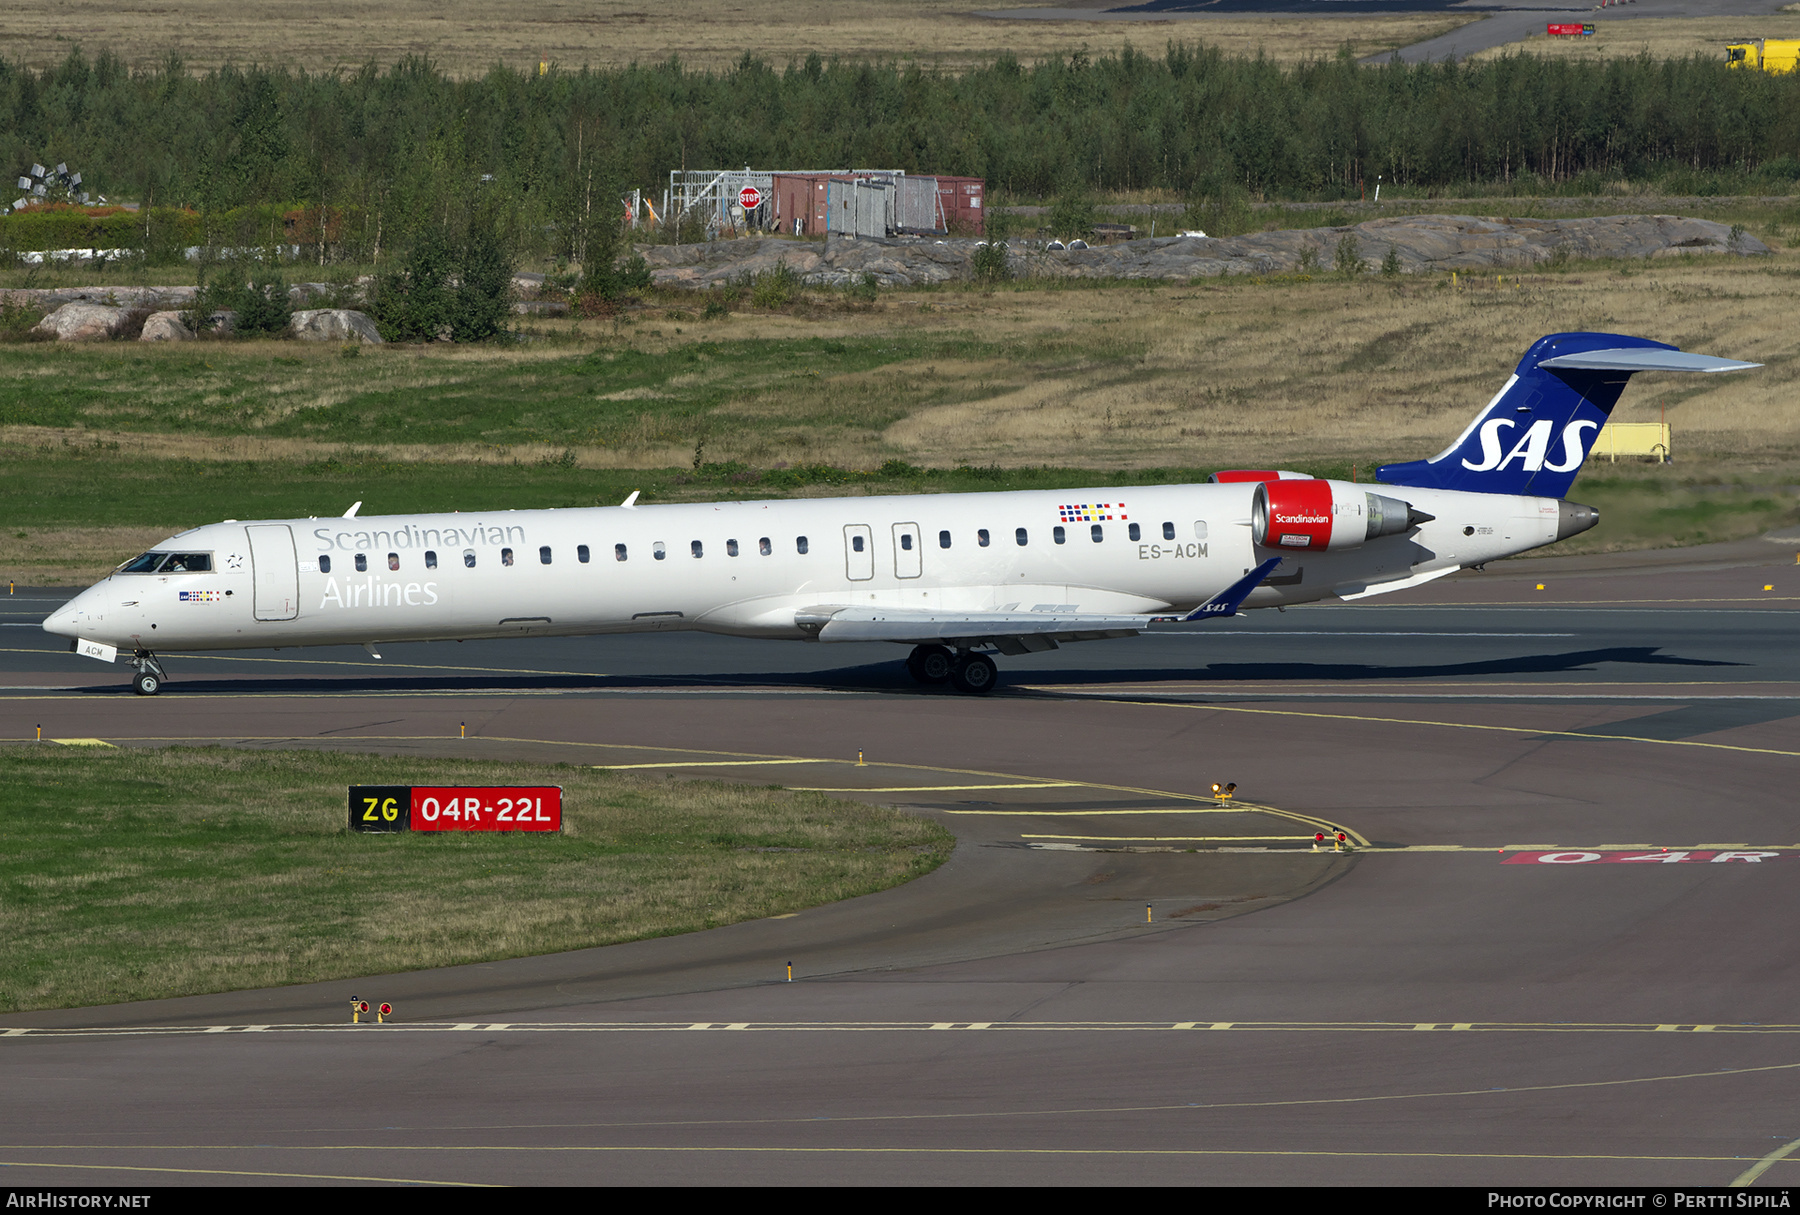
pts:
[65, 621]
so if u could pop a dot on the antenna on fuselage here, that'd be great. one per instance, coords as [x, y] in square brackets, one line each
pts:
[631, 502]
[354, 507]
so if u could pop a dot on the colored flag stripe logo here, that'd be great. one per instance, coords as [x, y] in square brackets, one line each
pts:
[1091, 512]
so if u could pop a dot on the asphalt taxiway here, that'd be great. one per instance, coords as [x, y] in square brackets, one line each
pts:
[1558, 949]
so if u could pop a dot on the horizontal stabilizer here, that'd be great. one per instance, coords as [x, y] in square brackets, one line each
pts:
[1645, 359]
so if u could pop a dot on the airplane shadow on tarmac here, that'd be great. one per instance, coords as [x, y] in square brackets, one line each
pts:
[892, 677]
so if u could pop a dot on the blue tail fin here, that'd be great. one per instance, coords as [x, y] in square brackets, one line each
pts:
[1535, 433]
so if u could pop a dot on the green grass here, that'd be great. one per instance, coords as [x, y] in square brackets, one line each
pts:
[625, 394]
[1652, 511]
[139, 874]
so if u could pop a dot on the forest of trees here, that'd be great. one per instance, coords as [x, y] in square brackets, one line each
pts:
[400, 149]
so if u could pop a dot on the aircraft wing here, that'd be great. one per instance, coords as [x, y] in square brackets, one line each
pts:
[1008, 632]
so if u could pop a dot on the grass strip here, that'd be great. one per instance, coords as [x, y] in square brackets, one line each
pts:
[136, 874]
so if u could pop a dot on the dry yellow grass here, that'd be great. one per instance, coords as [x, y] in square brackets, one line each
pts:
[1657, 37]
[467, 38]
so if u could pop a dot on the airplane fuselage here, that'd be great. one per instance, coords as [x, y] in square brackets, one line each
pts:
[757, 568]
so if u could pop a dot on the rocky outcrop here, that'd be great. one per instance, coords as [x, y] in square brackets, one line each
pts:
[82, 323]
[334, 325]
[50, 299]
[165, 327]
[1420, 244]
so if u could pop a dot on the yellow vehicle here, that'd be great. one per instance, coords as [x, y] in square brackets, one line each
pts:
[1765, 54]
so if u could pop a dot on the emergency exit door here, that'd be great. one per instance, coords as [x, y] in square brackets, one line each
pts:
[908, 552]
[859, 552]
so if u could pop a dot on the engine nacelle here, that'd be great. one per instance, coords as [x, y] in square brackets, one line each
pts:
[1316, 516]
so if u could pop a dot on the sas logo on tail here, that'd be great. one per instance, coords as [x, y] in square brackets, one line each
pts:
[1532, 447]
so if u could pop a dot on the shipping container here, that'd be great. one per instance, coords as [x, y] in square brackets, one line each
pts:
[960, 199]
[800, 202]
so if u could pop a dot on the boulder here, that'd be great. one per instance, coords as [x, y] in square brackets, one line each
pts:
[165, 327]
[334, 325]
[82, 322]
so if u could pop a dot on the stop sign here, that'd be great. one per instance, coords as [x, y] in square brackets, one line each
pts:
[749, 198]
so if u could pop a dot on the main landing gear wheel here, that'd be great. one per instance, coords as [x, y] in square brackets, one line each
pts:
[974, 674]
[931, 664]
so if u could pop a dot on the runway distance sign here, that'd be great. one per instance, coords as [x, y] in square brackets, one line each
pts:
[390, 808]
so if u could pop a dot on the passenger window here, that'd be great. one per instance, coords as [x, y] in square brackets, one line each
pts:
[430, 560]
[469, 557]
[1097, 534]
[1135, 532]
[696, 549]
[731, 548]
[981, 537]
[764, 547]
[906, 541]
[800, 545]
[943, 539]
[506, 557]
[544, 554]
[324, 565]
[393, 561]
[1058, 534]
[618, 552]
[1199, 529]
[1020, 537]
[658, 550]
[1168, 531]
[581, 553]
[362, 562]
[856, 544]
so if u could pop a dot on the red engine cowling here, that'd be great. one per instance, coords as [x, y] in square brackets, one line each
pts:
[1228, 476]
[1316, 516]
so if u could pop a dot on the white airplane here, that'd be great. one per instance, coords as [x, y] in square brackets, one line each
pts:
[952, 575]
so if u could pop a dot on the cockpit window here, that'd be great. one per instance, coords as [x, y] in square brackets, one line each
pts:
[169, 563]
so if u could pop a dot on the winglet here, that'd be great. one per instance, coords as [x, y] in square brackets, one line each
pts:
[631, 502]
[354, 507]
[1226, 602]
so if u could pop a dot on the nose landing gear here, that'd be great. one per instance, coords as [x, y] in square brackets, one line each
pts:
[150, 675]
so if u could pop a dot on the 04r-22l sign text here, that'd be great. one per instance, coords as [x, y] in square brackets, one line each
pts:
[388, 808]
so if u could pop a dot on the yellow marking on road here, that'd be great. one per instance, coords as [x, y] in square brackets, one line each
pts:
[718, 763]
[147, 1168]
[1049, 784]
[1535, 731]
[81, 742]
[1171, 839]
[1086, 813]
[1749, 1175]
[763, 1149]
